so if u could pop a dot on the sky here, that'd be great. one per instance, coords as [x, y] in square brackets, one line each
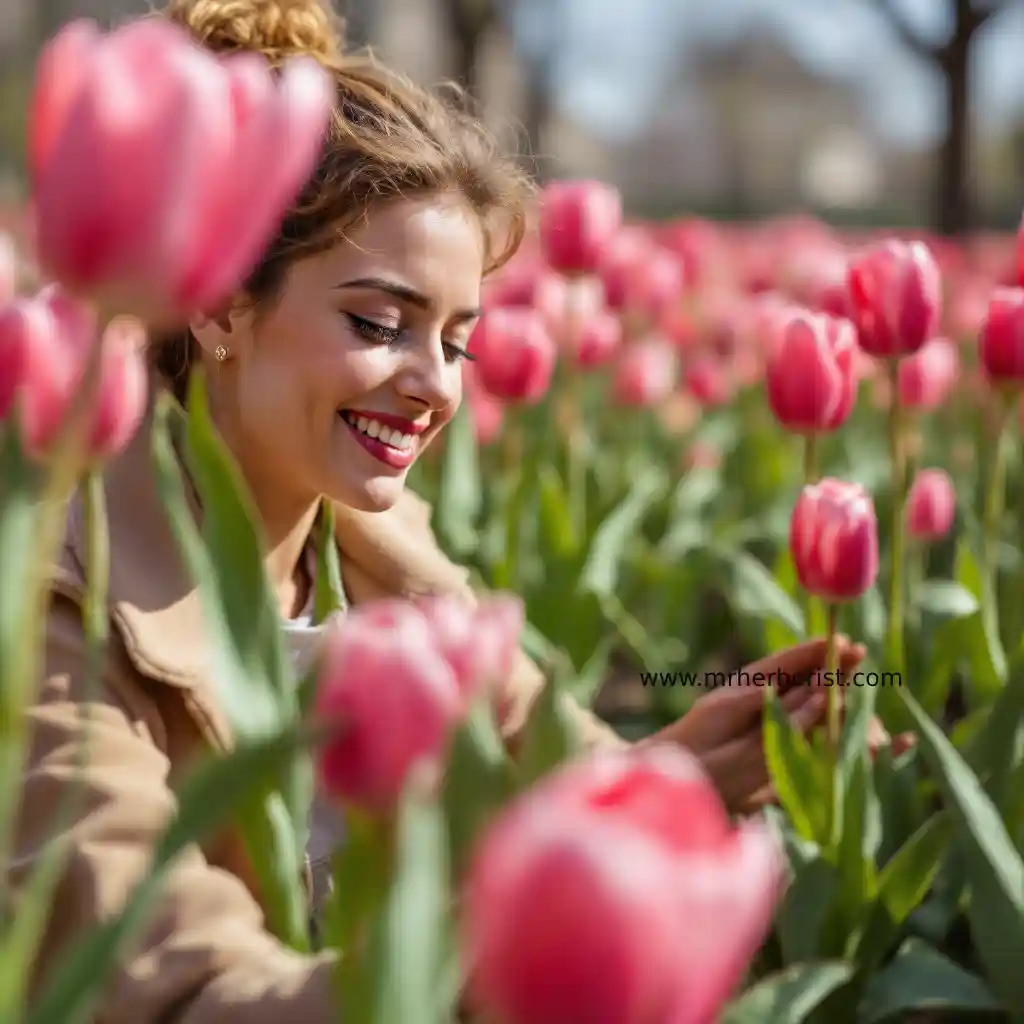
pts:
[617, 54]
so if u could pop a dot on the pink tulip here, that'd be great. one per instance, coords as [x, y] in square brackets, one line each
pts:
[478, 641]
[810, 375]
[393, 699]
[623, 260]
[707, 379]
[578, 220]
[515, 356]
[834, 540]
[931, 505]
[927, 378]
[895, 298]
[599, 339]
[124, 386]
[161, 171]
[1001, 343]
[656, 284]
[488, 417]
[645, 372]
[8, 268]
[33, 370]
[617, 892]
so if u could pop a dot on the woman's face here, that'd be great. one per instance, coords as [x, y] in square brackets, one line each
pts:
[338, 387]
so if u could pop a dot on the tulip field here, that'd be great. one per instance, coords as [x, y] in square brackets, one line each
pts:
[683, 447]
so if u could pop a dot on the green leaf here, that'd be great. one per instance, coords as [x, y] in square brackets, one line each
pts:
[600, 573]
[921, 979]
[235, 548]
[549, 737]
[329, 594]
[461, 492]
[755, 592]
[801, 918]
[412, 955]
[250, 702]
[556, 524]
[908, 876]
[995, 869]
[206, 800]
[589, 680]
[477, 780]
[946, 600]
[979, 633]
[790, 996]
[801, 779]
[777, 635]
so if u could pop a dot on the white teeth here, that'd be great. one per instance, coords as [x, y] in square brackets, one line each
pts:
[387, 435]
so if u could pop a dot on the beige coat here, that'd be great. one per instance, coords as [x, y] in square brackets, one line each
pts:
[206, 959]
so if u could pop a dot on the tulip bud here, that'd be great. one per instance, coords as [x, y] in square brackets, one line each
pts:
[927, 377]
[391, 699]
[645, 372]
[895, 298]
[584, 896]
[1001, 343]
[161, 171]
[834, 540]
[578, 220]
[931, 505]
[810, 374]
[515, 356]
[478, 641]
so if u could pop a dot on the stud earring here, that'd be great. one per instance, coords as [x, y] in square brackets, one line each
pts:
[220, 353]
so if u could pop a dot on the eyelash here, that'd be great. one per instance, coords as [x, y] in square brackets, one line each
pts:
[389, 336]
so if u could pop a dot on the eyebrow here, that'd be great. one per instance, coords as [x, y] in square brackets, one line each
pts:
[405, 293]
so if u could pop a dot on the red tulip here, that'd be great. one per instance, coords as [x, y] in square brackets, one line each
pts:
[578, 221]
[656, 284]
[162, 171]
[931, 505]
[1001, 343]
[121, 401]
[810, 375]
[834, 540]
[393, 698]
[895, 298]
[616, 892]
[928, 376]
[625, 258]
[707, 379]
[515, 356]
[645, 373]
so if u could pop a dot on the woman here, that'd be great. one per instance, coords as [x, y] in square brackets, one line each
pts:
[332, 372]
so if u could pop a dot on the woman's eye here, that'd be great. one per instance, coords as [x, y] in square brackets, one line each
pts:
[374, 331]
[456, 353]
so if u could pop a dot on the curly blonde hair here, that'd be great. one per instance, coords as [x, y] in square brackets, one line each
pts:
[387, 138]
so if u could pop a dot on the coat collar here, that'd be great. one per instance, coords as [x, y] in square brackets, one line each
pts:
[155, 605]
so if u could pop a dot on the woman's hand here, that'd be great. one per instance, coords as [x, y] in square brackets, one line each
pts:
[725, 728]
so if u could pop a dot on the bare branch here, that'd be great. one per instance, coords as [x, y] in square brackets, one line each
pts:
[908, 35]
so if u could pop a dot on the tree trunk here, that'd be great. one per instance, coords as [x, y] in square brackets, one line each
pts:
[536, 118]
[954, 214]
[468, 22]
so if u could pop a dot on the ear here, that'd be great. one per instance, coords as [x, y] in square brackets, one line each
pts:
[230, 326]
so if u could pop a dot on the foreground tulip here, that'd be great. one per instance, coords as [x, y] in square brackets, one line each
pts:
[478, 641]
[616, 892]
[931, 505]
[1001, 343]
[578, 220]
[834, 540]
[515, 355]
[392, 699]
[161, 171]
[810, 374]
[895, 298]
[927, 378]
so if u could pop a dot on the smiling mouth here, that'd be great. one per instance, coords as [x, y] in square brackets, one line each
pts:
[378, 431]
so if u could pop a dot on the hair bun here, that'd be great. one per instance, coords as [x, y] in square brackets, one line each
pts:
[278, 29]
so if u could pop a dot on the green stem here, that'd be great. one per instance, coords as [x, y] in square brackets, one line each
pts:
[507, 570]
[811, 449]
[995, 499]
[832, 678]
[897, 455]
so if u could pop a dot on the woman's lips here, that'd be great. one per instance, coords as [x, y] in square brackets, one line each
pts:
[394, 457]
